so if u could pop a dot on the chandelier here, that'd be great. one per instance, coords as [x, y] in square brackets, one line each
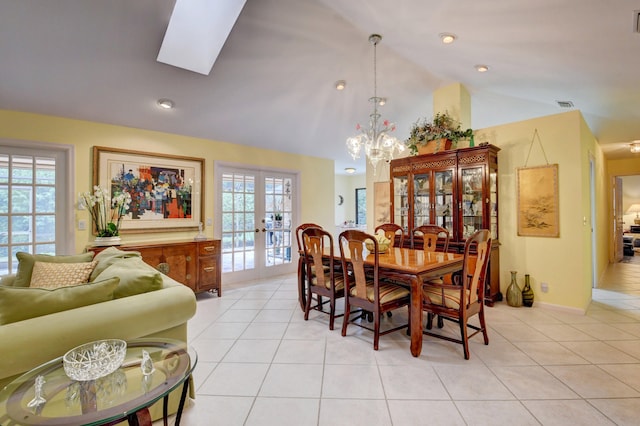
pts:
[376, 140]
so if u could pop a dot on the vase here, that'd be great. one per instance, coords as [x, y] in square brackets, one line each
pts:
[437, 145]
[107, 241]
[527, 292]
[514, 294]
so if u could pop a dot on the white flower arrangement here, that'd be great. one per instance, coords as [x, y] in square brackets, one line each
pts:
[106, 214]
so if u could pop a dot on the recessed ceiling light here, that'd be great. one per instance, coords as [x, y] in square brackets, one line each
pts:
[382, 101]
[482, 68]
[341, 84]
[166, 103]
[447, 38]
[635, 147]
[350, 170]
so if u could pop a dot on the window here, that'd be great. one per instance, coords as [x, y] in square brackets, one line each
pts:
[361, 206]
[35, 208]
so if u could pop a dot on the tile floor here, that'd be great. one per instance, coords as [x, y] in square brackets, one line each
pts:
[260, 363]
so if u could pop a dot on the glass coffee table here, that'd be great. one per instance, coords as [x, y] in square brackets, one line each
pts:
[125, 394]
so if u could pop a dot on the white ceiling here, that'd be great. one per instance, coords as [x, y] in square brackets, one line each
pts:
[273, 83]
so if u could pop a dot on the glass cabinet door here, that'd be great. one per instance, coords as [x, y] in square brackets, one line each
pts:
[472, 201]
[493, 199]
[401, 202]
[421, 200]
[443, 182]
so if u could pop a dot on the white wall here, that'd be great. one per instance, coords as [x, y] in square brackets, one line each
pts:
[346, 187]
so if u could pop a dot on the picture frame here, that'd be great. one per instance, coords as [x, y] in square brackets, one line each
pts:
[166, 190]
[538, 201]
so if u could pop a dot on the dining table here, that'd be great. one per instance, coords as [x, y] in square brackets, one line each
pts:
[411, 267]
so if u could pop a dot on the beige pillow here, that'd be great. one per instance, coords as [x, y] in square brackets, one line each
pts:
[55, 275]
[26, 262]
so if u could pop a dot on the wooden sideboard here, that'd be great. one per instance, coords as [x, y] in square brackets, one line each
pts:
[195, 264]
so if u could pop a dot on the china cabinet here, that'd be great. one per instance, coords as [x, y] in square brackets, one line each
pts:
[455, 189]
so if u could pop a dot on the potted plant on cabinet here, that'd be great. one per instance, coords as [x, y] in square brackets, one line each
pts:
[438, 134]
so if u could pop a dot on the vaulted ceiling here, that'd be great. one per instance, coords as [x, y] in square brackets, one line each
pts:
[273, 83]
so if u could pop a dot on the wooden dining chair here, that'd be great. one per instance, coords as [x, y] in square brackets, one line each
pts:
[302, 298]
[391, 230]
[464, 298]
[322, 279]
[433, 236]
[365, 290]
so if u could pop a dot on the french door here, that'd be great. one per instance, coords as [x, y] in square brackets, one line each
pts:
[256, 223]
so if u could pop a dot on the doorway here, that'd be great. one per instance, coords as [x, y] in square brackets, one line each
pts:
[257, 217]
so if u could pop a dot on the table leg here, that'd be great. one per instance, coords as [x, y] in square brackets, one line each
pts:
[140, 418]
[416, 316]
[183, 398]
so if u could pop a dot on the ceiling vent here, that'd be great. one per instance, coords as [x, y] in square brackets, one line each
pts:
[636, 21]
[565, 104]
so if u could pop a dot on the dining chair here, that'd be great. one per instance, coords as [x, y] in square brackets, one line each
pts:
[391, 231]
[301, 269]
[432, 237]
[322, 277]
[365, 290]
[464, 298]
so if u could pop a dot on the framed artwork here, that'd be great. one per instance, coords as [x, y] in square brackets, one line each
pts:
[381, 203]
[538, 204]
[166, 190]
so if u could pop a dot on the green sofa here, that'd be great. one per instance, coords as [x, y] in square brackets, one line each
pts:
[161, 313]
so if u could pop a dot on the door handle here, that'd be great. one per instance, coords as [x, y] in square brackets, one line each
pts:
[264, 230]
[257, 230]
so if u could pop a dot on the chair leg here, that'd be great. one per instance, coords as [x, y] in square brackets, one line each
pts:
[429, 321]
[332, 313]
[307, 306]
[376, 331]
[484, 326]
[347, 312]
[440, 322]
[465, 337]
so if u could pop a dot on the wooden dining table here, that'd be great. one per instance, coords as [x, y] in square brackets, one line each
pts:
[413, 267]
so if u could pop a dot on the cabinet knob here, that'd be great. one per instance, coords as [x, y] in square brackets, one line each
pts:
[188, 258]
[164, 268]
[188, 276]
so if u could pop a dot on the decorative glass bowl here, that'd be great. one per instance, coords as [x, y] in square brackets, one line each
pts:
[94, 360]
[382, 247]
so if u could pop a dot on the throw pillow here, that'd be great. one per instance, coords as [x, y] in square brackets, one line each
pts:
[55, 275]
[108, 257]
[136, 277]
[20, 303]
[26, 262]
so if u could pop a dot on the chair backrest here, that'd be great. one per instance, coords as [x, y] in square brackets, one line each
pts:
[353, 250]
[477, 251]
[299, 231]
[432, 235]
[390, 231]
[314, 242]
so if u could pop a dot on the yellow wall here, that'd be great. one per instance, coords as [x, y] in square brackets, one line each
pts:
[565, 262]
[346, 186]
[316, 174]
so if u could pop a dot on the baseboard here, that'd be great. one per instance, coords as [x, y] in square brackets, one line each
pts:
[560, 308]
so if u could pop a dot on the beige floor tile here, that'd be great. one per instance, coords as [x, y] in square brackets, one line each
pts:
[433, 413]
[624, 412]
[626, 373]
[495, 413]
[566, 412]
[473, 382]
[599, 352]
[261, 351]
[533, 382]
[293, 381]
[352, 381]
[234, 379]
[550, 353]
[502, 353]
[284, 412]
[590, 381]
[267, 330]
[562, 332]
[296, 352]
[412, 382]
[354, 412]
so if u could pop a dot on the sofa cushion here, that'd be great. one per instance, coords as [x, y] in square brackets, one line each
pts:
[135, 277]
[108, 257]
[26, 262]
[20, 303]
[55, 275]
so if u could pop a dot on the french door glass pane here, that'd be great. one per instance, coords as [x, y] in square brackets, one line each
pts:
[471, 201]
[421, 200]
[237, 221]
[444, 199]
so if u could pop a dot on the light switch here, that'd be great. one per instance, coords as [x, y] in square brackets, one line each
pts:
[209, 221]
[82, 225]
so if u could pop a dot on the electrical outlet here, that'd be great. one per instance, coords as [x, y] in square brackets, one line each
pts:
[209, 221]
[544, 287]
[82, 225]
